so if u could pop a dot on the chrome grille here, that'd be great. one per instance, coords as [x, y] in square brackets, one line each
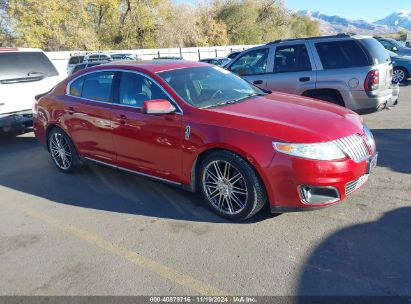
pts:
[354, 146]
[355, 184]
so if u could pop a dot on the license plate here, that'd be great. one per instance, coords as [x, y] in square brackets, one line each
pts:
[372, 163]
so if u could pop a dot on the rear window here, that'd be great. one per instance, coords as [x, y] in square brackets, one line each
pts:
[76, 59]
[375, 50]
[25, 64]
[341, 54]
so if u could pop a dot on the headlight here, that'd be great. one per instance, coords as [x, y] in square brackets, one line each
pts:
[369, 137]
[318, 151]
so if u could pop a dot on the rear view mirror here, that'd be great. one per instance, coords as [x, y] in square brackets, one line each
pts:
[157, 106]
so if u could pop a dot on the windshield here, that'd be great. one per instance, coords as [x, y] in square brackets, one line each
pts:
[24, 65]
[397, 44]
[209, 86]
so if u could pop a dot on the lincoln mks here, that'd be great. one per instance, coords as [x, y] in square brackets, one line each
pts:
[205, 129]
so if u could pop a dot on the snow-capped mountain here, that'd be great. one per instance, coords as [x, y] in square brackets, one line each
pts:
[337, 24]
[401, 19]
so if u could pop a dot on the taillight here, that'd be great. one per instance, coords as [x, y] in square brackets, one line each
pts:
[372, 80]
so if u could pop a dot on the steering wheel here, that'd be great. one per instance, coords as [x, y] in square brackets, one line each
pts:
[216, 93]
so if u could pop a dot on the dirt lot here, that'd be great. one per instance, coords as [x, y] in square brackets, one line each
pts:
[103, 232]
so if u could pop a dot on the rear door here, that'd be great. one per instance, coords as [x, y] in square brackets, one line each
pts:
[293, 69]
[88, 110]
[24, 75]
[253, 66]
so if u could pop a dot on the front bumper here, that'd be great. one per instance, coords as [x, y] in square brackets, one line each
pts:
[287, 176]
[20, 121]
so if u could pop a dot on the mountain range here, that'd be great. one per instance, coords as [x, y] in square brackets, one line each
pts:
[336, 24]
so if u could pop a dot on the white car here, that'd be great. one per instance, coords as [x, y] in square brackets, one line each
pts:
[24, 73]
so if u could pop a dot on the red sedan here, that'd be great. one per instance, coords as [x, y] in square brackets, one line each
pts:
[202, 128]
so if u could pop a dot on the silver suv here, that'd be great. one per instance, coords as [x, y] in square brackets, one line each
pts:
[351, 71]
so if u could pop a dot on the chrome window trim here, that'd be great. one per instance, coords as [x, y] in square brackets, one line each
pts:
[177, 106]
[134, 172]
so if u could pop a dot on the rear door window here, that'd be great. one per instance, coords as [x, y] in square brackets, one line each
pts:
[98, 86]
[25, 64]
[76, 87]
[251, 63]
[291, 58]
[341, 54]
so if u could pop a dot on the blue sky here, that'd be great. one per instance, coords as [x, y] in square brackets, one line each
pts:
[370, 10]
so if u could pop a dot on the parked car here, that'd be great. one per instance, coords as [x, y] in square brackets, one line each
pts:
[394, 46]
[97, 57]
[402, 67]
[74, 59]
[220, 61]
[234, 54]
[85, 65]
[205, 129]
[122, 56]
[24, 73]
[351, 71]
[79, 58]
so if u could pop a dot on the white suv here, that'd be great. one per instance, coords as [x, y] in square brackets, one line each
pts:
[24, 73]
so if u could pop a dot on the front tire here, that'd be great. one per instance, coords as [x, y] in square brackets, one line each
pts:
[62, 151]
[399, 75]
[231, 186]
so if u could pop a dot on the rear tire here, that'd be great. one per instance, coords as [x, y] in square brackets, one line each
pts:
[62, 151]
[231, 186]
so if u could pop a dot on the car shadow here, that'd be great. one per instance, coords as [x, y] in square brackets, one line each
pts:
[370, 259]
[406, 83]
[26, 167]
[394, 147]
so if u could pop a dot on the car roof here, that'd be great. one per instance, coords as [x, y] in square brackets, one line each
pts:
[9, 49]
[156, 66]
[214, 58]
[325, 37]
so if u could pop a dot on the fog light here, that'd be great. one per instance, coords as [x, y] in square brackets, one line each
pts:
[314, 195]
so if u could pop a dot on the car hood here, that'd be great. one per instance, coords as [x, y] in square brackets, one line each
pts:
[289, 118]
[404, 52]
[402, 58]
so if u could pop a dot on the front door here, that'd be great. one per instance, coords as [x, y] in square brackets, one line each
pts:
[149, 144]
[292, 70]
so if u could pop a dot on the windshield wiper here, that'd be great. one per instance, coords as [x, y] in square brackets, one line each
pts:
[233, 101]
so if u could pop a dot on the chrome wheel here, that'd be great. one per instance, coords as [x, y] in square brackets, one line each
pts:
[60, 151]
[225, 187]
[398, 75]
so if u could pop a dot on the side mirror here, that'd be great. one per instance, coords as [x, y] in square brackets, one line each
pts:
[157, 106]
[394, 49]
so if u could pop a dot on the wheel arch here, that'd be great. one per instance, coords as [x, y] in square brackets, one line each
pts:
[325, 91]
[193, 187]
